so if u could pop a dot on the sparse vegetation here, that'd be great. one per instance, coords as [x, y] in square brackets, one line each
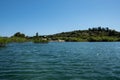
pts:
[40, 41]
[3, 42]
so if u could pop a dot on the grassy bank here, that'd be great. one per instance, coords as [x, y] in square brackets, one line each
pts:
[3, 42]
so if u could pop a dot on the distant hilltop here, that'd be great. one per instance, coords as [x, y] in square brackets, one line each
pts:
[92, 34]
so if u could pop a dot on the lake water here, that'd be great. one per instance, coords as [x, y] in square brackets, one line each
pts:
[60, 61]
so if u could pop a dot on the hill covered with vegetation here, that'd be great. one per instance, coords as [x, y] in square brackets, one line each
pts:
[98, 34]
[92, 35]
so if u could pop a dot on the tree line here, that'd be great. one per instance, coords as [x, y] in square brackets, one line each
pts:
[94, 34]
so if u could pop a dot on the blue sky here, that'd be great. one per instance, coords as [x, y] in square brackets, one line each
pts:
[54, 16]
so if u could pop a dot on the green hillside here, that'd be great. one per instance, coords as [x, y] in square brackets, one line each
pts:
[92, 34]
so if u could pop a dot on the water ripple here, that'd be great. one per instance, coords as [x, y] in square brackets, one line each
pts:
[60, 61]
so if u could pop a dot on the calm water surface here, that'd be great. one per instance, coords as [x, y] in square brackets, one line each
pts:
[60, 61]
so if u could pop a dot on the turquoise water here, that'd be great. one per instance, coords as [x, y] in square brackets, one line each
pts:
[60, 61]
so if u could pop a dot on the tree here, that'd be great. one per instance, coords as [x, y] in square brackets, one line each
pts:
[37, 34]
[89, 29]
[99, 28]
[107, 29]
[18, 34]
